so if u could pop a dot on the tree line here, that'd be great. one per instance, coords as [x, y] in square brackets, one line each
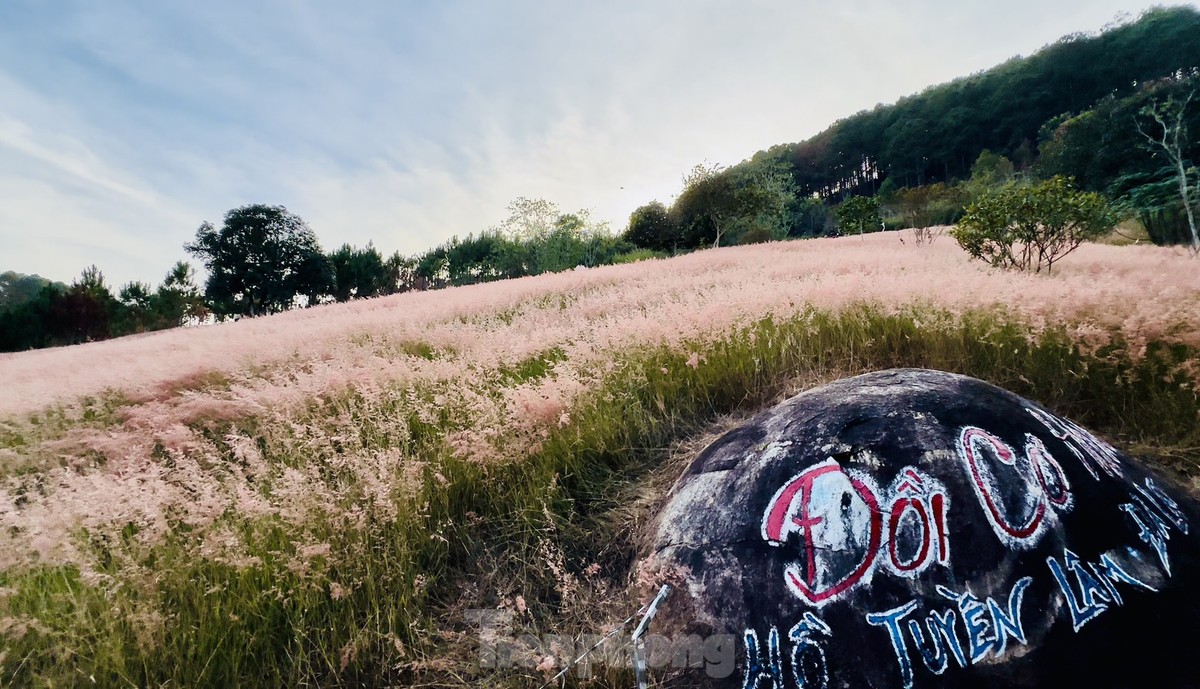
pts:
[35, 312]
[264, 259]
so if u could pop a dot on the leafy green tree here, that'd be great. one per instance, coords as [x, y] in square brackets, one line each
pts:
[701, 210]
[136, 312]
[766, 196]
[563, 247]
[483, 258]
[602, 248]
[401, 273]
[859, 214]
[542, 239]
[650, 227]
[991, 170]
[432, 270]
[921, 208]
[85, 312]
[1153, 198]
[260, 261]
[1097, 146]
[1031, 226]
[178, 300]
[721, 204]
[809, 216]
[358, 273]
[529, 218]
[511, 257]
[30, 324]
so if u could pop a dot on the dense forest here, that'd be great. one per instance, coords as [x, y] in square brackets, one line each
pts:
[936, 135]
[1117, 112]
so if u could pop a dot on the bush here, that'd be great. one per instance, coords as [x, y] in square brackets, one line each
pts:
[929, 205]
[757, 234]
[1032, 226]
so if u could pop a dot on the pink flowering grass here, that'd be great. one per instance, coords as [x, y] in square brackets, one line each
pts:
[303, 484]
[1144, 293]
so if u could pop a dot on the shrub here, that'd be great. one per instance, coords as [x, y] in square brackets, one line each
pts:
[1031, 226]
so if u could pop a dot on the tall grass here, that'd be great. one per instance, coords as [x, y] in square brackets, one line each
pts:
[365, 587]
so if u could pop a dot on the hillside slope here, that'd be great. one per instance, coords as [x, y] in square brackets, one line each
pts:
[316, 496]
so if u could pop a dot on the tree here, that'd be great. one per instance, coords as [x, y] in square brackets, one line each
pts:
[721, 204]
[178, 300]
[1153, 199]
[30, 325]
[136, 312]
[1168, 135]
[921, 208]
[260, 261]
[529, 218]
[358, 273]
[401, 273]
[563, 247]
[706, 206]
[991, 170]
[489, 256]
[860, 214]
[809, 216]
[432, 269]
[650, 227]
[1032, 226]
[538, 238]
[85, 312]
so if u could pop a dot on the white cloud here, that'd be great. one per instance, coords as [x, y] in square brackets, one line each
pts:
[71, 158]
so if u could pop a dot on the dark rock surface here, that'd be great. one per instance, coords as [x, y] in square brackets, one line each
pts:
[915, 528]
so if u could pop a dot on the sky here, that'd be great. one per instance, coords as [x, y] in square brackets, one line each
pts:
[125, 124]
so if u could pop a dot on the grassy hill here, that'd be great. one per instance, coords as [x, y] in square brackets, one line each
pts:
[319, 497]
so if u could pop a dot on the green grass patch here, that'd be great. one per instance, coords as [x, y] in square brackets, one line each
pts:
[638, 255]
[532, 368]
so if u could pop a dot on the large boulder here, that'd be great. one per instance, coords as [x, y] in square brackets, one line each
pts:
[916, 528]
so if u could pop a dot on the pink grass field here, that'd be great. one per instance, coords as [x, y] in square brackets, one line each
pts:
[274, 368]
[1145, 293]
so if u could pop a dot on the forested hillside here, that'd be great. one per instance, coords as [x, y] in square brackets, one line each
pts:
[936, 135]
[1074, 108]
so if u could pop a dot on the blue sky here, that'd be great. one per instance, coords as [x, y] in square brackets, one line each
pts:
[125, 124]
